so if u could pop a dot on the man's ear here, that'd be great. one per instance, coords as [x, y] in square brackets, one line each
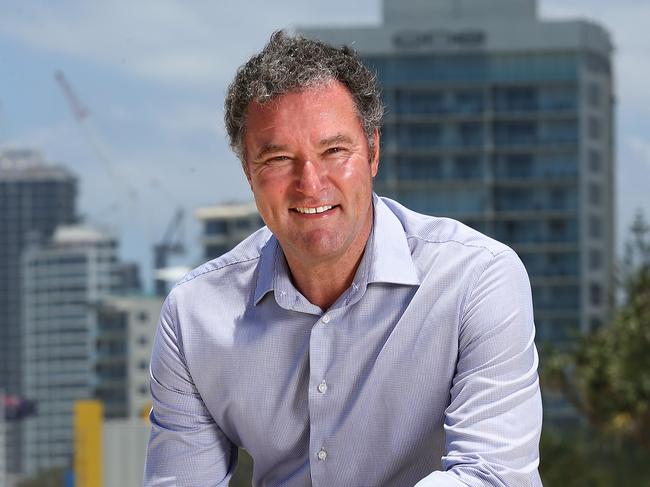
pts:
[374, 158]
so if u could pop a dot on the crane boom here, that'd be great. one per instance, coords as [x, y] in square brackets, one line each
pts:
[79, 110]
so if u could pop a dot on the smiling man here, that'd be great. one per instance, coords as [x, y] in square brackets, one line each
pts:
[350, 342]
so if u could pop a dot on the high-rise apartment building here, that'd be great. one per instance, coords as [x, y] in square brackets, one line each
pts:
[64, 280]
[224, 226]
[505, 122]
[35, 197]
[126, 326]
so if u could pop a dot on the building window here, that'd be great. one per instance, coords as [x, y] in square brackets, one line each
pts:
[597, 63]
[558, 199]
[143, 365]
[468, 167]
[595, 294]
[242, 224]
[418, 169]
[558, 98]
[143, 316]
[595, 161]
[593, 128]
[557, 231]
[557, 329]
[515, 99]
[469, 102]
[515, 133]
[595, 194]
[469, 134]
[215, 227]
[143, 390]
[559, 131]
[519, 166]
[143, 340]
[595, 227]
[420, 103]
[595, 259]
[593, 95]
[429, 136]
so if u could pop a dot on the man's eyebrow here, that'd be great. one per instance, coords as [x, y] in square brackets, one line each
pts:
[269, 148]
[336, 139]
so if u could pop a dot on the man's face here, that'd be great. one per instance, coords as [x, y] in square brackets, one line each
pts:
[309, 166]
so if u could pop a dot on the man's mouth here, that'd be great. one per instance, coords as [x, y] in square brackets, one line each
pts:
[313, 210]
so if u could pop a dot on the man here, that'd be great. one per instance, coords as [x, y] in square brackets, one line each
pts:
[350, 342]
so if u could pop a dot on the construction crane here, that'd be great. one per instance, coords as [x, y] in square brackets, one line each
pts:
[81, 115]
[78, 109]
[171, 243]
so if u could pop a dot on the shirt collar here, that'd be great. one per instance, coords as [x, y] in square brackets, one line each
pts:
[390, 253]
[387, 258]
[266, 268]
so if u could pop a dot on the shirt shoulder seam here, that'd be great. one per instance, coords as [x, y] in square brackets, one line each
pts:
[464, 244]
[218, 268]
[471, 289]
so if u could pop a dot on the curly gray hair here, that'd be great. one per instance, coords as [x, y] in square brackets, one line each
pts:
[291, 63]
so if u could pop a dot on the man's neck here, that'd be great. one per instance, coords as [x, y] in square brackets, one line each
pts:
[322, 283]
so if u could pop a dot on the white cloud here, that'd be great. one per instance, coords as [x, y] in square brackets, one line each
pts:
[164, 40]
[196, 43]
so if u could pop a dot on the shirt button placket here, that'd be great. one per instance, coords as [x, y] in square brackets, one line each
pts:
[319, 364]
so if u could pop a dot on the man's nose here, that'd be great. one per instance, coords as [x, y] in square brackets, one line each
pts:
[311, 178]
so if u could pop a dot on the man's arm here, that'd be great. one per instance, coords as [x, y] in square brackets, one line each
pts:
[186, 447]
[493, 422]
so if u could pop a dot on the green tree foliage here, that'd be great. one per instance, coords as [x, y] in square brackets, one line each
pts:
[607, 375]
[576, 457]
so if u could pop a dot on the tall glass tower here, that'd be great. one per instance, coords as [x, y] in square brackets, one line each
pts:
[505, 122]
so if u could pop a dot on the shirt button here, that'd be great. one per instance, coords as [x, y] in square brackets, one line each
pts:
[322, 387]
[322, 454]
[325, 319]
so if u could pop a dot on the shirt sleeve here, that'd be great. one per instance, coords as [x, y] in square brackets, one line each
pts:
[493, 422]
[186, 446]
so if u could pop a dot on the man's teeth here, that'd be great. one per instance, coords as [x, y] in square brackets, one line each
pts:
[318, 209]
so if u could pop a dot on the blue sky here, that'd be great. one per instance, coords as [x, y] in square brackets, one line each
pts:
[153, 75]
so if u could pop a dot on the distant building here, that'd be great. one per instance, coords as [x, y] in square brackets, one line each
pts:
[129, 278]
[125, 330]
[35, 197]
[224, 226]
[124, 449]
[63, 280]
[505, 122]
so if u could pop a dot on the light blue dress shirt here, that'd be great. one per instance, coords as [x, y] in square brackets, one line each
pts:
[424, 372]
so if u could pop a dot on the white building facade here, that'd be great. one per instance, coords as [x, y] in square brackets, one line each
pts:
[62, 281]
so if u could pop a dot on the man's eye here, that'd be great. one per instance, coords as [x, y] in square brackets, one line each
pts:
[277, 159]
[334, 150]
